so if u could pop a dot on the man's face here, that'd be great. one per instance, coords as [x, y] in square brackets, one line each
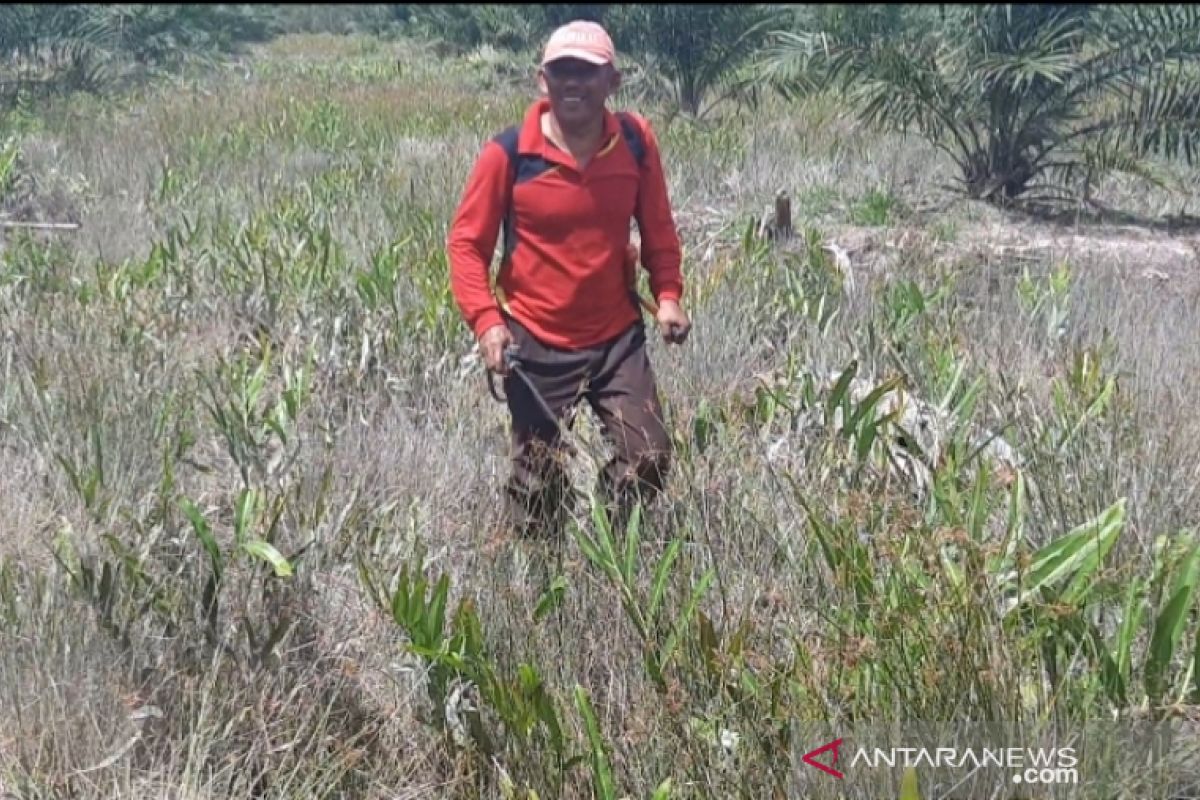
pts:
[578, 89]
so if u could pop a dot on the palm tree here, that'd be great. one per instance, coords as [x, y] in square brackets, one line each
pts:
[82, 47]
[1028, 100]
[698, 51]
[41, 44]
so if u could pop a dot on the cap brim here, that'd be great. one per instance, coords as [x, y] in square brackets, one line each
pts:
[582, 55]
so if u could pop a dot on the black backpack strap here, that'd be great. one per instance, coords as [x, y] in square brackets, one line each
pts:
[633, 140]
[507, 139]
[633, 137]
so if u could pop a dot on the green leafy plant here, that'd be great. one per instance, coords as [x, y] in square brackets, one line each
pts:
[648, 614]
[457, 654]
[855, 420]
[1062, 570]
[1048, 298]
[602, 772]
[238, 402]
[9, 151]
[877, 207]
[793, 287]
[247, 515]
[1169, 624]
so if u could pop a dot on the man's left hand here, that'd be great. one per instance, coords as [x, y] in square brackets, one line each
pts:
[673, 323]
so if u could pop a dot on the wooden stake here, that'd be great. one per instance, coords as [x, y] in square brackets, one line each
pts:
[41, 226]
[783, 215]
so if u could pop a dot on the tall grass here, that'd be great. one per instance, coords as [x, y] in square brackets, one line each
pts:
[251, 544]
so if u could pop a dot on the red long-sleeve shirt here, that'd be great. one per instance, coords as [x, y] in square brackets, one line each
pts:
[566, 279]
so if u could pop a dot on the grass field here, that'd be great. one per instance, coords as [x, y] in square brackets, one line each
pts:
[239, 414]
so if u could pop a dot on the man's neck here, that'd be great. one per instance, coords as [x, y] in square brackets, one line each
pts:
[581, 143]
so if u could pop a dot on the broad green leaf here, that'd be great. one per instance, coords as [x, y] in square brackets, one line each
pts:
[602, 547]
[977, 518]
[702, 427]
[551, 599]
[608, 550]
[1014, 529]
[663, 792]
[416, 606]
[210, 602]
[244, 513]
[589, 548]
[959, 368]
[1195, 698]
[528, 678]
[276, 421]
[267, 552]
[864, 439]
[838, 394]
[709, 643]
[748, 682]
[601, 769]
[632, 536]
[1094, 554]
[867, 406]
[1074, 556]
[1169, 625]
[871, 431]
[964, 409]
[953, 572]
[660, 577]
[468, 624]
[685, 618]
[259, 379]
[436, 620]
[204, 533]
[1077, 629]
[400, 600]
[546, 712]
[909, 789]
[1131, 622]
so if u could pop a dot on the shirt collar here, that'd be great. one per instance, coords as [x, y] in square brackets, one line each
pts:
[533, 141]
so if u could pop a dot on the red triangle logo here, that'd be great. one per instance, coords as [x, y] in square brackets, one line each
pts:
[810, 758]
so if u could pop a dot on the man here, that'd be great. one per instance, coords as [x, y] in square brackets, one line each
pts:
[565, 296]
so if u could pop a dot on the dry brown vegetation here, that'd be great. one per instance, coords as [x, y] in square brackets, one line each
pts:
[250, 340]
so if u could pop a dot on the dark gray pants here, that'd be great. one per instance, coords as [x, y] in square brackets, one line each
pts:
[618, 383]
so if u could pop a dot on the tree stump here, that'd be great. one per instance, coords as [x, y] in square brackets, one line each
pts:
[783, 215]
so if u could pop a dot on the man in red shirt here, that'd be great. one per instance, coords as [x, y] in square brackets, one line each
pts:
[564, 185]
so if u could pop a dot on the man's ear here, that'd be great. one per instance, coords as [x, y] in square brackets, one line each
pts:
[614, 79]
[541, 81]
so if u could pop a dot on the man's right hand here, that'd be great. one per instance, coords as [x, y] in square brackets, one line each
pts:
[492, 344]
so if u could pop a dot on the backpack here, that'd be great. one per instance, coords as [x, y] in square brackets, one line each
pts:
[527, 167]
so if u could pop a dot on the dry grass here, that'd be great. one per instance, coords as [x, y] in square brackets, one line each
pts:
[237, 220]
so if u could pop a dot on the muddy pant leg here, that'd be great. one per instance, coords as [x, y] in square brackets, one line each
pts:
[537, 484]
[624, 395]
[537, 487]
